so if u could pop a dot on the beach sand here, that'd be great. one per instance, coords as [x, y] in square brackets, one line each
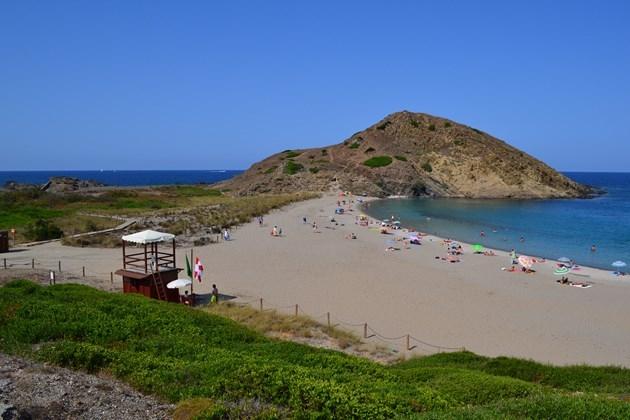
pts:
[472, 304]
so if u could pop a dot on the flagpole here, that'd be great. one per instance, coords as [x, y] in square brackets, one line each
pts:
[192, 278]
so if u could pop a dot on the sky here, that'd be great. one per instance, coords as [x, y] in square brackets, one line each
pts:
[220, 85]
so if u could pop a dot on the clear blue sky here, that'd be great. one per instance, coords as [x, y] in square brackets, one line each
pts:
[177, 85]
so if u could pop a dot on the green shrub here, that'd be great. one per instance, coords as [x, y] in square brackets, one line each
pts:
[324, 152]
[384, 125]
[427, 167]
[291, 167]
[43, 230]
[354, 145]
[414, 123]
[378, 161]
[291, 154]
[447, 124]
[271, 169]
[432, 127]
[403, 158]
[313, 170]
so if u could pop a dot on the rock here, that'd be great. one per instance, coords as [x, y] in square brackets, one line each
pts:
[410, 154]
[63, 184]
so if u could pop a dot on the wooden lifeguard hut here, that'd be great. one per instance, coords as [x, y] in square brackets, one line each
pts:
[147, 268]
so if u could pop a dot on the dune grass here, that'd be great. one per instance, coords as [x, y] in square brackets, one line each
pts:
[212, 366]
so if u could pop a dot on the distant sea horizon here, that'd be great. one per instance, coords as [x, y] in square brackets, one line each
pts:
[124, 178]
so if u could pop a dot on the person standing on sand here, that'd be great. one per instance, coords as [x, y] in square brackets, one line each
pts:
[215, 294]
[513, 256]
[304, 220]
[314, 227]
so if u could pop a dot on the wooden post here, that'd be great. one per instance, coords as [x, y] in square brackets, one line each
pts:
[60, 266]
[261, 305]
[124, 256]
[174, 259]
[365, 330]
[328, 319]
[408, 348]
[296, 310]
[111, 277]
[145, 258]
[33, 263]
[5, 263]
[83, 271]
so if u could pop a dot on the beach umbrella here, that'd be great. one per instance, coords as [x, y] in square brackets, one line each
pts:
[396, 222]
[526, 262]
[477, 248]
[564, 260]
[619, 264]
[176, 284]
[561, 271]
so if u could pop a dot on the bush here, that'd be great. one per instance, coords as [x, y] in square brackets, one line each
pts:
[292, 167]
[271, 169]
[313, 170]
[378, 161]
[384, 125]
[447, 124]
[432, 127]
[414, 123]
[354, 145]
[324, 152]
[427, 167]
[291, 154]
[403, 158]
[43, 230]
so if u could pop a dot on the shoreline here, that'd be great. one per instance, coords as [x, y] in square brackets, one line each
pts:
[362, 208]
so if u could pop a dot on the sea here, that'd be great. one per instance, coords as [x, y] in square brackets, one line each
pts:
[124, 178]
[543, 228]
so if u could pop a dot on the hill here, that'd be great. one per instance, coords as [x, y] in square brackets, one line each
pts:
[411, 154]
[213, 367]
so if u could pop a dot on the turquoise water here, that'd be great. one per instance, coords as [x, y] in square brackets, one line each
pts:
[549, 228]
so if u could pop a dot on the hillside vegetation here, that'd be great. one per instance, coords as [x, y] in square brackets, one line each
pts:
[183, 210]
[216, 368]
[411, 154]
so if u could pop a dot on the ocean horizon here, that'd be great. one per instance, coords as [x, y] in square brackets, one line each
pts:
[124, 178]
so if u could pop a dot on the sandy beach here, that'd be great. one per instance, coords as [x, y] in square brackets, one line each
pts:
[471, 304]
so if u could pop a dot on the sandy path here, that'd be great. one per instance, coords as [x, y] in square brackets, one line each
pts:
[471, 304]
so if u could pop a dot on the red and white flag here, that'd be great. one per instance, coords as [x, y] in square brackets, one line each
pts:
[198, 269]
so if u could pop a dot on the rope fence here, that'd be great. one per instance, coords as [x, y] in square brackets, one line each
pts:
[406, 341]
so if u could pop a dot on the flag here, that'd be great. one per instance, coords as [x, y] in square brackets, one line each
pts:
[188, 269]
[198, 269]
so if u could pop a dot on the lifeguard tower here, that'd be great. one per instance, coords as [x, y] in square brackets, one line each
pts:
[147, 268]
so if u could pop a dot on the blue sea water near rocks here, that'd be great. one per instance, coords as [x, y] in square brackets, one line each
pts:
[123, 178]
[548, 228]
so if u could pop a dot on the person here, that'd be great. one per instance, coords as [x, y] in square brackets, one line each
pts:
[304, 220]
[186, 298]
[513, 256]
[260, 221]
[593, 248]
[274, 231]
[314, 226]
[522, 239]
[215, 294]
[482, 234]
[226, 235]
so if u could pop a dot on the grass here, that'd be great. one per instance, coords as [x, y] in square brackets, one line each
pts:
[291, 167]
[402, 158]
[378, 161]
[215, 367]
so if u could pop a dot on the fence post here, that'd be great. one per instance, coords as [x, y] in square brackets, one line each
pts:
[83, 271]
[111, 277]
[296, 310]
[5, 263]
[60, 266]
[261, 304]
[33, 263]
[408, 343]
[365, 330]
[328, 319]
